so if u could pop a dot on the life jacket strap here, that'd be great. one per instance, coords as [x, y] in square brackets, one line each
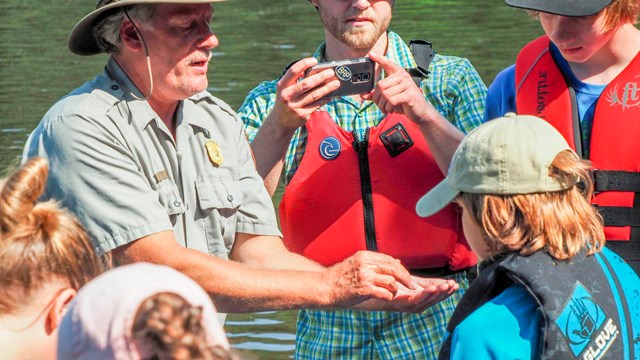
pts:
[620, 215]
[423, 53]
[610, 180]
[628, 250]
[441, 272]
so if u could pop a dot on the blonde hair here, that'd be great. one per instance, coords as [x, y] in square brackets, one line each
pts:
[173, 328]
[618, 12]
[621, 12]
[39, 242]
[561, 223]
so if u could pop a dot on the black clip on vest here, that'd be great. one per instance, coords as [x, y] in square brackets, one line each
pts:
[423, 53]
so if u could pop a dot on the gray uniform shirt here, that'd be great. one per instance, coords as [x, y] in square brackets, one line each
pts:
[115, 165]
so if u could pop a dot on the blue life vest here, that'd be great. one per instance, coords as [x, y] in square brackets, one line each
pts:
[590, 306]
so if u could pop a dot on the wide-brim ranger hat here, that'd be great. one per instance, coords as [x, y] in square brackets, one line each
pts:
[82, 40]
[506, 156]
[562, 7]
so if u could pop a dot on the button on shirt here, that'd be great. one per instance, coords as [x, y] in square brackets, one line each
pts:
[115, 165]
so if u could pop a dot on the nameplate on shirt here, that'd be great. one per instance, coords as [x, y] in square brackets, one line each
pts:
[161, 175]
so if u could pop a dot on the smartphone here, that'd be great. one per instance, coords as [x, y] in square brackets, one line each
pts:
[355, 75]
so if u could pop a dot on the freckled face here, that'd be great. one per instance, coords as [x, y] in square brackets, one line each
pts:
[577, 38]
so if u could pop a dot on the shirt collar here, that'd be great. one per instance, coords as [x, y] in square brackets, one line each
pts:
[133, 98]
[186, 112]
[116, 73]
[190, 115]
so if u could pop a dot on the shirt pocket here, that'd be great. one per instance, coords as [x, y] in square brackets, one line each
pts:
[219, 194]
[219, 200]
[169, 197]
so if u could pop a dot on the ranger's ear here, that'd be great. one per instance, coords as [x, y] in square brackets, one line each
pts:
[130, 36]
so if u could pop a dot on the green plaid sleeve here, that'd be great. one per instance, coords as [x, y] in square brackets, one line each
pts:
[255, 109]
[456, 90]
[257, 106]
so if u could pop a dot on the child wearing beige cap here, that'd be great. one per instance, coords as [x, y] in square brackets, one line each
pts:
[142, 311]
[547, 286]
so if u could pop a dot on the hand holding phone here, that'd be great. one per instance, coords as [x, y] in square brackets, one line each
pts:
[355, 75]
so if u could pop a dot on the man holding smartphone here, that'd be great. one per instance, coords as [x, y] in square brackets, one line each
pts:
[354, 167]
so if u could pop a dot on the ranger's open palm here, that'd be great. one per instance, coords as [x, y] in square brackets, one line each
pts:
[366, 275]
[429, 292]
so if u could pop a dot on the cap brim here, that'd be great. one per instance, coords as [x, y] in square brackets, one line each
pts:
[561, 7]
[81, 40]
[436, 199]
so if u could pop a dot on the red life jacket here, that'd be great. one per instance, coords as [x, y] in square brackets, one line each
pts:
[349, 195]
[542, 90]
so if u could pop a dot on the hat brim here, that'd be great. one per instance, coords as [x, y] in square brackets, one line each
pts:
[436, 199]
[81, 40]
[561, 7]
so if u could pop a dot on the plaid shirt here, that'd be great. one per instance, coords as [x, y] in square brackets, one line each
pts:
[455, 89]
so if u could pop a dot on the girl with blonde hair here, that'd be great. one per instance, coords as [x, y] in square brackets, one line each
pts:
[45, 257]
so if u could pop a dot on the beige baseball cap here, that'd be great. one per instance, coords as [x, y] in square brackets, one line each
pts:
[82, 40]
[509, 155]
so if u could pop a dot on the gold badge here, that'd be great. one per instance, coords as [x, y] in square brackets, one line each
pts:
[213, 150]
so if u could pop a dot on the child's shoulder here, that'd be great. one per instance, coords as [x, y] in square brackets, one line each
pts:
[512, 304]
[516, 337]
